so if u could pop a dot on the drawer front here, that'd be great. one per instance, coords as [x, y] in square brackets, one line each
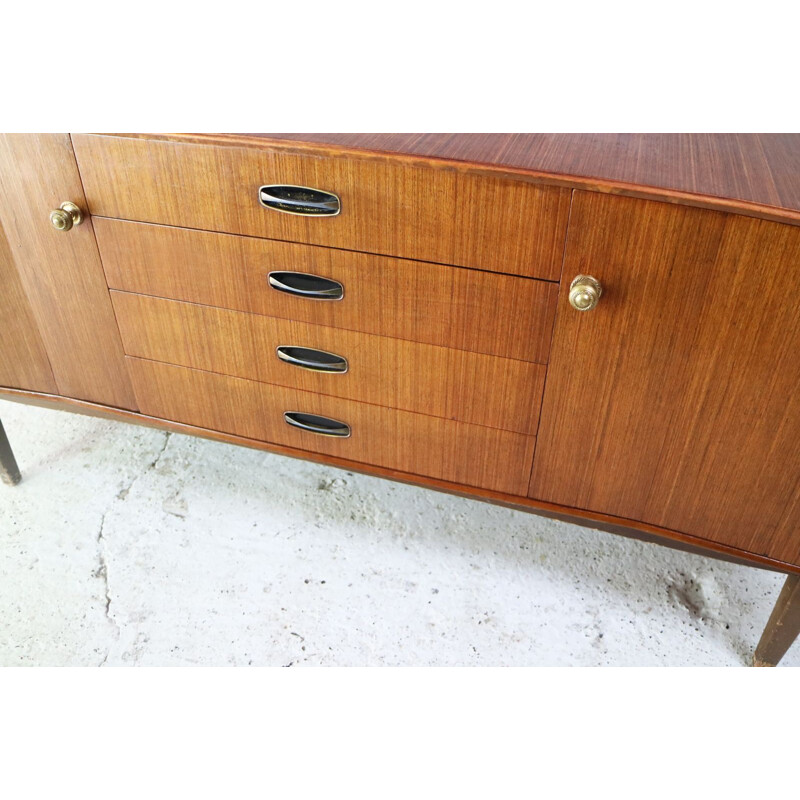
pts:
[454, 384]
[469, 310]
[471, 455]
[387, 206]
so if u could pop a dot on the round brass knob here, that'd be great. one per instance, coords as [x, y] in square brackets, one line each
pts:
[584, 293]
[64, 217]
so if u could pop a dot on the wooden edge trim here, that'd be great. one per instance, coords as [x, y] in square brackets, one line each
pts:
[745, 208]
[603, 522]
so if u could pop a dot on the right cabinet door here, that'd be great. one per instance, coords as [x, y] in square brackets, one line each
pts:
[676, 401]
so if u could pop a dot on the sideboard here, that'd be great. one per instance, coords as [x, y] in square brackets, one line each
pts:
[599, 328]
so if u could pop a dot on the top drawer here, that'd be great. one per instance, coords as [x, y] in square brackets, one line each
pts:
[387, 206]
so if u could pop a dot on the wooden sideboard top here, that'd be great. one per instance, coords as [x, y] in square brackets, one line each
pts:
[754, 168]
[757, 174]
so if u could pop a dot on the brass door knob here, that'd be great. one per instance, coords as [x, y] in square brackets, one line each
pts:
[584, 293]
[63, 218]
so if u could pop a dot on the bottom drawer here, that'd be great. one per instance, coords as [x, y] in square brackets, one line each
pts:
[472, 455]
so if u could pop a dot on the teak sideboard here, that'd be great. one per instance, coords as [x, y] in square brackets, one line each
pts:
[600, 328]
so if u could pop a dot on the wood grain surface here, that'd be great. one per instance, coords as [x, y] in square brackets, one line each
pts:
[390, 208]
[676, 401]
[467, 454]
[61, 271]
[466, 309]
[453, 384]
[23, 360]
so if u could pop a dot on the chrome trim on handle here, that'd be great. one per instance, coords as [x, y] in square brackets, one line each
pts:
[327, 289]
[313, 423]
[312, 359]
[303, 201]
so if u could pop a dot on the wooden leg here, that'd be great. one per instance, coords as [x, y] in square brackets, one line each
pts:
[9, 471]
[783, 626]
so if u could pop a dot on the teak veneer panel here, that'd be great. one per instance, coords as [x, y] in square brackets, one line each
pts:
[471, 455]
[677, 400]
[61, 272]
[466, 309]
[23, 360]
[397, 209]
[453, 384]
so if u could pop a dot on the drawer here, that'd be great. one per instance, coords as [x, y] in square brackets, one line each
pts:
[472, 455]
[387, 205]
[454, 384]
[466, 309]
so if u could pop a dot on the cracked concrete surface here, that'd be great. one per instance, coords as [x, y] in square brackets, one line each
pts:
[130, 546]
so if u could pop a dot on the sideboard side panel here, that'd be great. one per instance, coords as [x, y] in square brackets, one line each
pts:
[60, 272]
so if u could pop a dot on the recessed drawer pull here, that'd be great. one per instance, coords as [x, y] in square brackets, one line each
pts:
[304, 285]
[300, 200]
[315, 360]
[324, 426]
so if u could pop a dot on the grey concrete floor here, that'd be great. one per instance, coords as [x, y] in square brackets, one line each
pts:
[129, 546]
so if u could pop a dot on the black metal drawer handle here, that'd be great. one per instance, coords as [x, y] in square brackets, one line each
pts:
[302, 200]
[302, 284]
[315, 360]
[324, 426]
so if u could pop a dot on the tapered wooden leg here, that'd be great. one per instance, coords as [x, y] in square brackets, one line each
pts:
[783, 626]
[9, 471]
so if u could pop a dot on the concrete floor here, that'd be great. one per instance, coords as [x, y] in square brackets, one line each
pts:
[130, 546]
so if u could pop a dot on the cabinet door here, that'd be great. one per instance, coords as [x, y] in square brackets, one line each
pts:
[60, 272]
[676, 401]
[23, 360]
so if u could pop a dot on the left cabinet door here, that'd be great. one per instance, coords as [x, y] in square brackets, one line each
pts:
[23, 360]
[59, 272]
